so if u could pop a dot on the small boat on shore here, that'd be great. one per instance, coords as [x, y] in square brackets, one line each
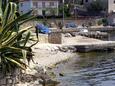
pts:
[93, 34]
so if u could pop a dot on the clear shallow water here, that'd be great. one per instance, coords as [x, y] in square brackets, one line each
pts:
[111, 36]
[88, 69]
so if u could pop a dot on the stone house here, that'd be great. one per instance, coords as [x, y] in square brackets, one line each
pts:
[110, 9]
[111, 12]
[40, 7]
[87, 2]
[111, 6]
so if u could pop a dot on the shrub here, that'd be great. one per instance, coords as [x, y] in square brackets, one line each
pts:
[103, 21]
[13, 47]
[66, 11]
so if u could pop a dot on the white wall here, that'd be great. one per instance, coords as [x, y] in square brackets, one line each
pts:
[28, 5]
[47, 4]
[111, 6]
[111, 19]
[25, 7]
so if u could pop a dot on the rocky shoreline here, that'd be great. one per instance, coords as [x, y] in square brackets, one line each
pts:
[46, 56]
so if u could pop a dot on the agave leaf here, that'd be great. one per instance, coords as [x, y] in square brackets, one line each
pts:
[6, 15]
[9, 13]
[16, 27]
[6, 50]
[3, 4]
[11, 51]
[7, 36]
[7, 41]
[9, 16]
[10, 25]
[13, 10]
[1, 13]
[25, 20]
[24, 53]
[14, 49]
[26, 38]
[17, 62]
[14, 37]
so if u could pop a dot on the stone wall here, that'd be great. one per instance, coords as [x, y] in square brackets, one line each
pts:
[55, 38]
[10, 79]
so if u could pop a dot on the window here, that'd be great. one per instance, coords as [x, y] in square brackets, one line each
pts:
[35, 4]
[21, 4]
[22, 12]
[51, 3]
[86, 0]
[114, 2]
[43, 4]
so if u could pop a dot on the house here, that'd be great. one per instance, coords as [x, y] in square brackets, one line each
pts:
[40, 7]
[88, 2]
[111, 6]
[111, 12]
[110, 9]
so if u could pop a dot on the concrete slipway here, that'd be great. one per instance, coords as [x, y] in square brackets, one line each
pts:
[85, 44]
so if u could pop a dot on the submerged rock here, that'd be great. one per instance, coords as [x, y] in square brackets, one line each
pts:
[61, 74]
[49, 82]
[68, 49]
[67, 35]
[63, 49]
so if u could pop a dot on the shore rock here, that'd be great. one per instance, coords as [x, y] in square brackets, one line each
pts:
[68, 49]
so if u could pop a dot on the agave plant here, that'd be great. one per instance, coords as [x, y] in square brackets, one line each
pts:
[13, 47]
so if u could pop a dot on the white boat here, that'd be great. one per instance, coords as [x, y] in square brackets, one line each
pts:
[84, 30]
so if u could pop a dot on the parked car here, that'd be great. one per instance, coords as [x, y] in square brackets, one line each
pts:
[42, 28]
[70, 25]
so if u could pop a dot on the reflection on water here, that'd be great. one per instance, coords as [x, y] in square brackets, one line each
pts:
[111, 36]
[88, 69]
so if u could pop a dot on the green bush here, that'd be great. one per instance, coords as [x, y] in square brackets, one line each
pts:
[100, 22]
[103, 22]
[66, 10]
